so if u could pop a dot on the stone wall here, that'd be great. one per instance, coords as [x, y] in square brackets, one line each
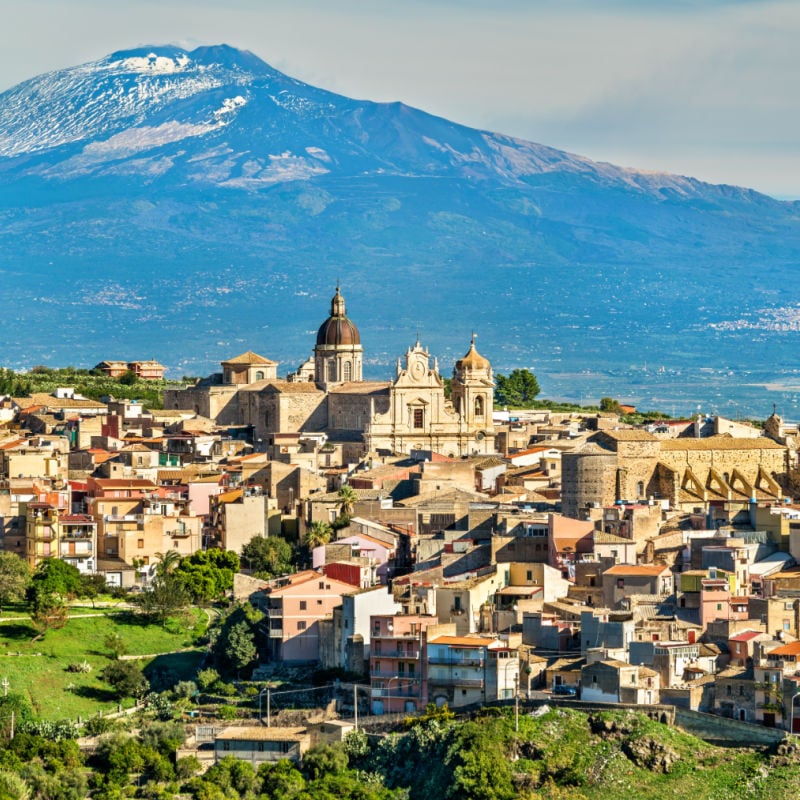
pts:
[722, 730]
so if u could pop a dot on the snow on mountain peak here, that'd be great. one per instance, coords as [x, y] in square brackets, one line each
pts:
[151, 64]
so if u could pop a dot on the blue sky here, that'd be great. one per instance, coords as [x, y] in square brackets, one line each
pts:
[697, 87]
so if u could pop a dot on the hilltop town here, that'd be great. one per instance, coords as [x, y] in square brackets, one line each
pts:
[455, 553]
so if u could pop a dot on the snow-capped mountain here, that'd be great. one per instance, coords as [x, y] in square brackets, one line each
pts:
[192, 202]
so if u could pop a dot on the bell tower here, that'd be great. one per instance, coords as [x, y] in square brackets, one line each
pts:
[472, 390]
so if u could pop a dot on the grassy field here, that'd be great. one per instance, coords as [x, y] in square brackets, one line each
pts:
[38, 668]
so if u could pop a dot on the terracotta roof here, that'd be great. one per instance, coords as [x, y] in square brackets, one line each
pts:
[250, 357]
[124, 483]
[722, 443]
[462, 641]
[791, 649]
[630, 435]
[260, 733]
[288, 387]
[362, 387]
[229, 497]
[637, 570]
[746, 636]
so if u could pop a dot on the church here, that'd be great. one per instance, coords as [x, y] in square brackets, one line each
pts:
[328, 395]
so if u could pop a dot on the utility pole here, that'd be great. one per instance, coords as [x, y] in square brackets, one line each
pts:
[516, 701]
[355, 704]
[5, 684]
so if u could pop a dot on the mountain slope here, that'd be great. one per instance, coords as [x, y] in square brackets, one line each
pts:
[187, 203]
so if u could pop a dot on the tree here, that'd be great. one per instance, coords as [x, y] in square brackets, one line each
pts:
[167, 562]
[239, 646]
[56, 577]
[268, 555]
[324, 759]
[610, 405]
[347, 500]
[92, 586]
[116, 644]
[519, 389]
[15, 575]
[128, 378]
[126, 678]
[48, 612]
[166, 597]
[281, 780]
[319, 533]
[208, 574]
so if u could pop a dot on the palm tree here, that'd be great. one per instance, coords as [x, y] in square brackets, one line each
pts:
[167, 562]
[347, 499]
[318, 534]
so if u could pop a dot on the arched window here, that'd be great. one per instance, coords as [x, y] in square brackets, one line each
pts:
[347, 371]
[640, 489]
[259, 375]
[479, 406]
[267, 419]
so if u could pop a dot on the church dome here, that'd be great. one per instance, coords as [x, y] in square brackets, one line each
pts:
[338, 330]
[473, 360]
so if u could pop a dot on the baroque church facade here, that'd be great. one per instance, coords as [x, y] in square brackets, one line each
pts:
[328, 395]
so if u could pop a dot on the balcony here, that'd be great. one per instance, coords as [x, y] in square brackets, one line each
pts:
[275, 612]
[393, 676]
[394, 693]
[276, 633]
[396, 654]
[444, 661]
[447, 680]
[123, 518]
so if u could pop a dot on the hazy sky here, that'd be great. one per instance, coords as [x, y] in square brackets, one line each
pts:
[699, 87]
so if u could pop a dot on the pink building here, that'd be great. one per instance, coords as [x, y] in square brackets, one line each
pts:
[397, 666]
[295, 606]
[716, 602]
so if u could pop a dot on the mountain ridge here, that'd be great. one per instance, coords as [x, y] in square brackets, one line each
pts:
[212, 188]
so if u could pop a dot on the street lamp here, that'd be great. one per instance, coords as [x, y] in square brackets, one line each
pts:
[389, 686]
[260, 695]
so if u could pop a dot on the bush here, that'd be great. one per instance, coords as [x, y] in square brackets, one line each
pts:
[126, 678]
[184, 690]
[95, 726]
[207, 678]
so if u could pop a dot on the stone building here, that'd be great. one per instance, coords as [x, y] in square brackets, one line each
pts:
[408, 414]
[714, 472]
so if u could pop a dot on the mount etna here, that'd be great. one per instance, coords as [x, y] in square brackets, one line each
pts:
[188, 206]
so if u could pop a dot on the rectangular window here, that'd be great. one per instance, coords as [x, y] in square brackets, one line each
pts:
[140, 543]
[303, 605]
[419, 418]
[301, 626]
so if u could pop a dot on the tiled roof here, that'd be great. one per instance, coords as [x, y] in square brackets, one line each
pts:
[637, 570]
[250, 357]
[362, 387]
[791, 649]
[722, 443]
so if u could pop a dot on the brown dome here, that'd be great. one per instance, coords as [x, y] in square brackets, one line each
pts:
[338, 329]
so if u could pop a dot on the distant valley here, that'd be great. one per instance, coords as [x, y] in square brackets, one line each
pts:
[189, 206]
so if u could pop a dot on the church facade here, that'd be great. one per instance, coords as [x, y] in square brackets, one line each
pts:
[328, 395]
